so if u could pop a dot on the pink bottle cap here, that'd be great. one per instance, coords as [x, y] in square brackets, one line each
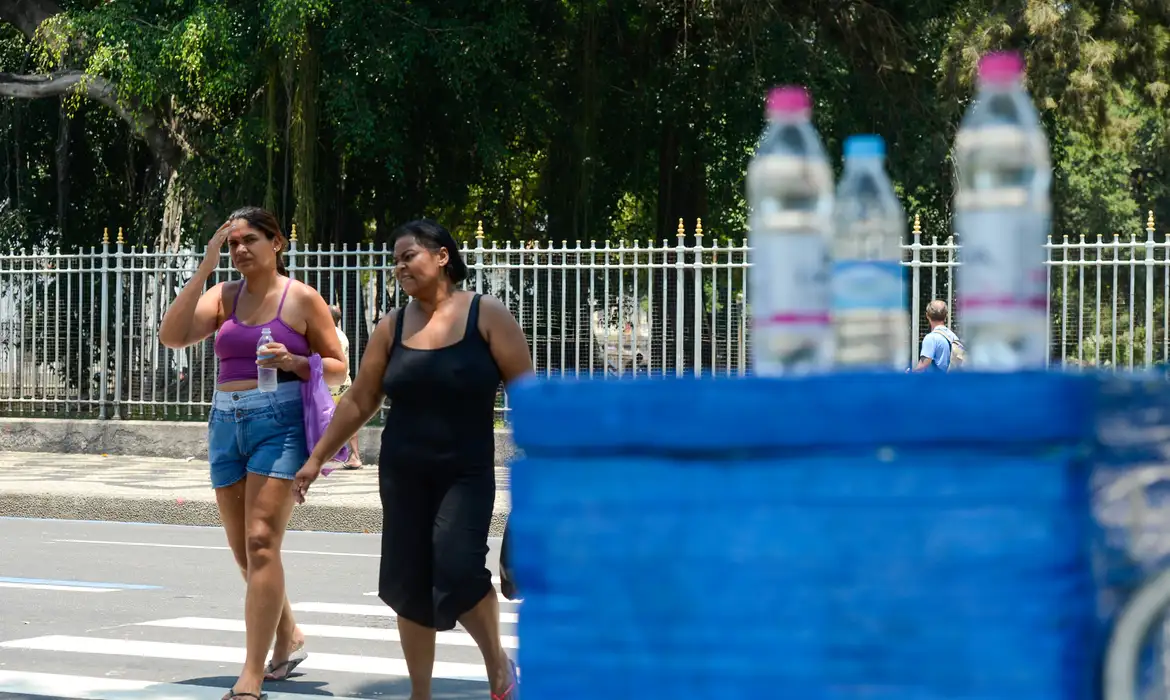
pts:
[788, 99]
[1001, 67]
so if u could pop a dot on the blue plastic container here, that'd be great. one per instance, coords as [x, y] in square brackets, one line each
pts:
[846, 536]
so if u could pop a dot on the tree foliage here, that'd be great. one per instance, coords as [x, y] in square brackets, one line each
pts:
[545, 119]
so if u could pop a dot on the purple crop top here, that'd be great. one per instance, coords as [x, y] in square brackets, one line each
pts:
[235, 343]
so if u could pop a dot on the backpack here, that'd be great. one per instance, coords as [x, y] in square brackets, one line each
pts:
[958, 352]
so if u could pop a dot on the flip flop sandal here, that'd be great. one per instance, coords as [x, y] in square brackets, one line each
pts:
[282, 670]
[512, 692]
[233, 695]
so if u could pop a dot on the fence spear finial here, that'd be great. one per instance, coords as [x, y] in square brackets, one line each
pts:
[106, 234]
[120, 239]
[293, 235]
[1150, 221]
[698, 228]
[682, 231]
[479, 230]
[917, 224]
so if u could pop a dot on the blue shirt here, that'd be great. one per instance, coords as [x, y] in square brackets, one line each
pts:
[937, 348]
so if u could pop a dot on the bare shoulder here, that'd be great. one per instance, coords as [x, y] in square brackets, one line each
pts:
[303, 292]
[492, 309]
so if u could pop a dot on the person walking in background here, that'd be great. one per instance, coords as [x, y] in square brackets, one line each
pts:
[942, 351]
[256, 440]
[355, 459]
[440, 360]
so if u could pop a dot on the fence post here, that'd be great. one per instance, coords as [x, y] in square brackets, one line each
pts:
[104, 366]
[680, 289]
[118, 323]
[915, 287]
[698, 325]
[1150, 290]
[479, 257]
[292, 253]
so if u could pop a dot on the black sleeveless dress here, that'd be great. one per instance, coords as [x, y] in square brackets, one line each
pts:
[437, 478]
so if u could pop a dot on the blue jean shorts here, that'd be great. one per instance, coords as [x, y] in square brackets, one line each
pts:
[256, 432]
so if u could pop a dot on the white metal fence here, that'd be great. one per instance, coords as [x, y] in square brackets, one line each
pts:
[79, 331]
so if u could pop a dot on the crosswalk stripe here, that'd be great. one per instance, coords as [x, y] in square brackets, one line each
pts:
[213, 624]
[55, 587]
[346, 663]
[371, 610]
[21, 683]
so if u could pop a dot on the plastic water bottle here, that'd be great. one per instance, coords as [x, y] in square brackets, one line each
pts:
[870, 318]
[790, 198]
[265, 376]
[1002, 219]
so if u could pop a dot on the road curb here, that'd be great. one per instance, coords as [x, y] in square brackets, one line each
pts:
[306, 517]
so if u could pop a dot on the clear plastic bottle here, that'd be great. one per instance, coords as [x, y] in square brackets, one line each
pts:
[265, 376]
[1002, 219]
[869, 305]
[790, 199]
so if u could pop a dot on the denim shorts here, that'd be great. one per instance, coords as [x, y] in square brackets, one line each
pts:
[256, 432]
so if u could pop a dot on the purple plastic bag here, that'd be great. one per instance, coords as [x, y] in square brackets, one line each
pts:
[319, 407]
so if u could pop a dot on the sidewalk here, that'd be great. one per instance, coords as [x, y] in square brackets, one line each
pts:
[177, 491]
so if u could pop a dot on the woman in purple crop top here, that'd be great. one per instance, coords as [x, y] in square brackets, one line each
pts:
[256, 440]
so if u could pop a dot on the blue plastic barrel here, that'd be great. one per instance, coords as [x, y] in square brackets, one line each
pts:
[900, 537]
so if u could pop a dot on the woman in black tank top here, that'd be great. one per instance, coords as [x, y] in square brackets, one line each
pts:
[440, 360]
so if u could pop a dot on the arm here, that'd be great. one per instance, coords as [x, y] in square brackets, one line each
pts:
[927, 353]
[363, 399]
[506, 338]
[322, 339]
[194, 315]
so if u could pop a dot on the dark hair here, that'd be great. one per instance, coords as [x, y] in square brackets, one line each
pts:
[266, 224]
[335, 311]
[432, 236]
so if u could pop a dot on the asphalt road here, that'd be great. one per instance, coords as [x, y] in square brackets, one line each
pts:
[121, 611]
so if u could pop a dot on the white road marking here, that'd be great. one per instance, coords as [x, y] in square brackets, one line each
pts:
[376, 634]
[23, 684]
[345, 663]
[52, 587]
[217, 547]
[370, 610]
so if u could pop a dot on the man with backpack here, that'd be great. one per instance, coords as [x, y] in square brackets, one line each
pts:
[942, 351]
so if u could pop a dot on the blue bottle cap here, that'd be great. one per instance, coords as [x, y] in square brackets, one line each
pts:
[865, 146]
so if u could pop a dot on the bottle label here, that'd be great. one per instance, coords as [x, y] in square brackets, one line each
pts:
[868, 285]
[789, 278]
[1002, 262]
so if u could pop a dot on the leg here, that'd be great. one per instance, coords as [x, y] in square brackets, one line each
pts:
[230, 500]
[463, 583]
[276, 449]
[404, 577]
[355, 459]
[267, 505]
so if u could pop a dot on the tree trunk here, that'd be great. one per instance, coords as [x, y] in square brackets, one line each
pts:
[62, 161]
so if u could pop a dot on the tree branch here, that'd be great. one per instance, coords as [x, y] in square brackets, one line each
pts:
[27, 15]
[143, 122]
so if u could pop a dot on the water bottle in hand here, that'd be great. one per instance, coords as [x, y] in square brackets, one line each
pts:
[265, 376]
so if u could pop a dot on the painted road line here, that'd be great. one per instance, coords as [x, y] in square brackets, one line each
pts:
[215, 547]
[370, 610]
[374, 634]
[81, 584]
[48, 587]
[24, 684]
[317, 661]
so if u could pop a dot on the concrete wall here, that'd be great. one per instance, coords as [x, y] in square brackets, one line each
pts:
[176, 440]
